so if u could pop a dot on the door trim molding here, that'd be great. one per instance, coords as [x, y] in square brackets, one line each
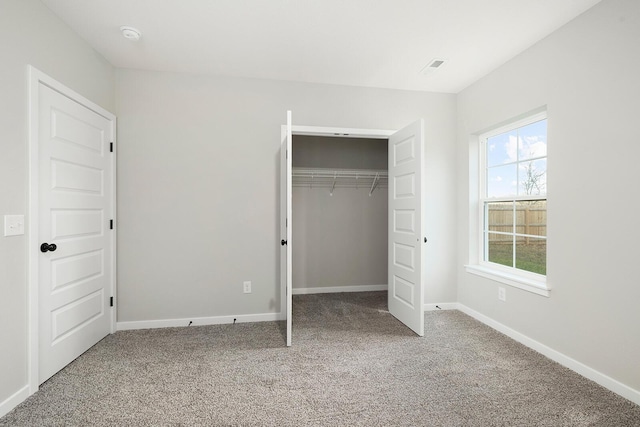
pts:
[341, 132]
[35, 78]
[333, 132]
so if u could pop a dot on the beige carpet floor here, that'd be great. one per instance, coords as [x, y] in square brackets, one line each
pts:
[352, 364]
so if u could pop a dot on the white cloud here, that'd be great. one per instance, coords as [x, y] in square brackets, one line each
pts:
[527, 146]
[532, 146]
[511, 148]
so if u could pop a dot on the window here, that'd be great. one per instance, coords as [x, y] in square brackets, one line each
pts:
[513, 203]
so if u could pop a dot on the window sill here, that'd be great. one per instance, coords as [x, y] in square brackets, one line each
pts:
[538, 287]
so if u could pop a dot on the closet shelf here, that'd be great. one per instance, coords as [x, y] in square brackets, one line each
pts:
[340, 178]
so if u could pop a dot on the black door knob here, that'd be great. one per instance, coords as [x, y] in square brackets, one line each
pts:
[46, 247]
[283, 242]
[425, 240]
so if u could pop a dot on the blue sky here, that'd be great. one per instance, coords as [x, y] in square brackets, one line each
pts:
[509, 155]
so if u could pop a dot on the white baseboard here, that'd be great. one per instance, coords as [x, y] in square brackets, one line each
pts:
[566, 361]
[198, 321]
[441, 306]
[338, 289]
[14, 400]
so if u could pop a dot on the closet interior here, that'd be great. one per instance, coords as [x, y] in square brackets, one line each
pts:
[340, 212]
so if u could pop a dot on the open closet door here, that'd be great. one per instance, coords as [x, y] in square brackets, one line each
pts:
[286, 223]
[406, 289]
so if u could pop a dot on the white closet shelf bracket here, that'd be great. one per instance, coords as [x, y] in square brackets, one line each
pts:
[335, 178]
[374, 183]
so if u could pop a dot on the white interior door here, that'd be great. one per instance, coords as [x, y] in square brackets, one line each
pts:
[75, 207]
[406, 288]
[286, 222]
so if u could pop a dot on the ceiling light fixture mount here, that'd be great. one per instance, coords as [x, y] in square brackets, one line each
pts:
[130, 33]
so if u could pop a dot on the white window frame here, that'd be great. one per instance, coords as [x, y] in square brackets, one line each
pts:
[522, 279]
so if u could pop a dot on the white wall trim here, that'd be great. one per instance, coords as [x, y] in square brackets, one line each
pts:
[14, 400]
[35, 78]
[199, 321]
[342, 132]
[338, 289]
[566, 361]
[520, 281]
[441, 306]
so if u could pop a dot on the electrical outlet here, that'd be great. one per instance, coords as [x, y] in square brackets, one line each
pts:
[246, 286]
[13, 225]
[502, 294]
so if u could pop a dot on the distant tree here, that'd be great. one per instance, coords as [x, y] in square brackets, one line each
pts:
[533, 183]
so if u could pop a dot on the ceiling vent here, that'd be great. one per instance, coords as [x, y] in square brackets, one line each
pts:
[432, 66]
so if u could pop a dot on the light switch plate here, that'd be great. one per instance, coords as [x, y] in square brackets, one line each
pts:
[13, 225]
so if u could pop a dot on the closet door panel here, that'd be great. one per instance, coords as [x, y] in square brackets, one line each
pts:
[406, 293]
[286, 225]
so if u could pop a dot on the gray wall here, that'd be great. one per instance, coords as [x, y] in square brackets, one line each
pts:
[198, 185]
[587, 75]
[339, 239]
[31, 34]
[340, 153]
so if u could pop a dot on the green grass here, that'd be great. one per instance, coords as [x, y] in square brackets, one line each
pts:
[531, 257]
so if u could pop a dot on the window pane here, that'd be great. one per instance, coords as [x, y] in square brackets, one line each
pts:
[502, 148]
[531, 217]
[500, 249]
[515, 167]
[502, 181]
[532, 140]
[531, 254]
[533, 177]
[500, 218]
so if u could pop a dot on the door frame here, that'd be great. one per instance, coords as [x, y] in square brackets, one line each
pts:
[332, 132]
[35, 79]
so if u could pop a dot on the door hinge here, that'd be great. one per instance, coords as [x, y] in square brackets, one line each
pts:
[110, 224]
[111, 302]
[111, 147]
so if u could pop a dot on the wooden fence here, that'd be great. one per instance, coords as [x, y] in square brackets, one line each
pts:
[530, 219]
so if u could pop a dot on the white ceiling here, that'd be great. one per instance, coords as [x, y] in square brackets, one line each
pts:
[374, 43]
